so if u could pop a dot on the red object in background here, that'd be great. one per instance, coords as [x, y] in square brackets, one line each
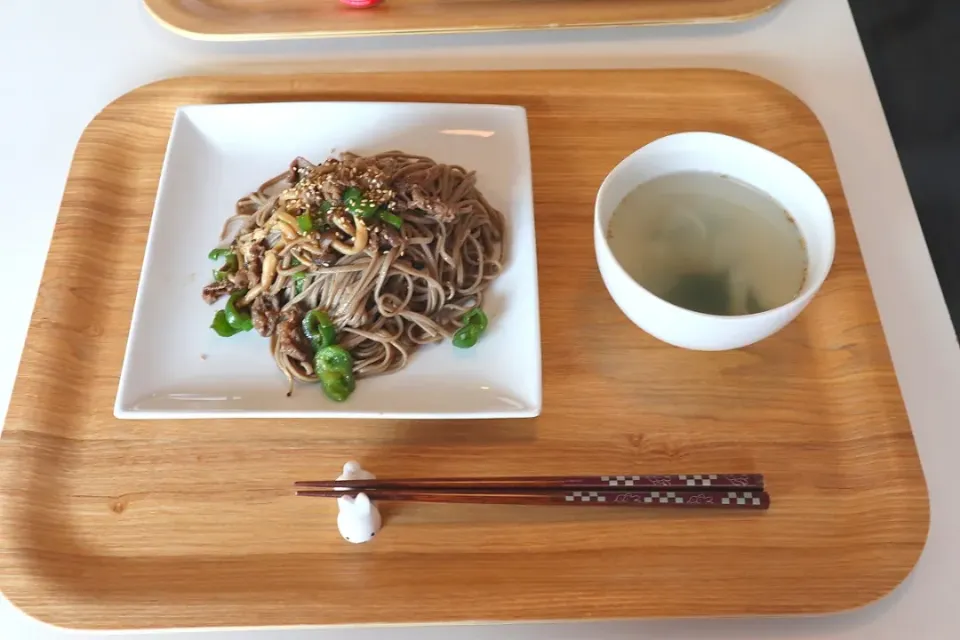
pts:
[360, 4]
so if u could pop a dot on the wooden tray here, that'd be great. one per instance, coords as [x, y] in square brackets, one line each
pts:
[120, 524]
[268, 19]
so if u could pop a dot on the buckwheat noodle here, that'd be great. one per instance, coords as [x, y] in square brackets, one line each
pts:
[387, 290]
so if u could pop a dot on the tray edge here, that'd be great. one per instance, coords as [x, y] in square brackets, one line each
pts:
[169, 21]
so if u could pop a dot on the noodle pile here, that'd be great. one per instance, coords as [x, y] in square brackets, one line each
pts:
[399, 276]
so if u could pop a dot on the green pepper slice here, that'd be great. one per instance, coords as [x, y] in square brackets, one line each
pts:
[475, 316]
[333, 358]
[221, 326]
[334, 366]
[467, 336]
[319, 329]
[230, 265]
[356, 205]
[305, 223]
[474, 324]
[351, 195]
[239, 320]
[336, 385]
[298, 279]
[365, 209]
[362, 209]
[391, 218]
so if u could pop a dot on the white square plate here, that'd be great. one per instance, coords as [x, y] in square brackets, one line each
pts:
[177, 367]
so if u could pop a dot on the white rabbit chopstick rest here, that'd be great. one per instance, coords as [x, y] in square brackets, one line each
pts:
[358, 520]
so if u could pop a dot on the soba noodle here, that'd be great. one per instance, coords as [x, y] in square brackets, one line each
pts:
[390, 281]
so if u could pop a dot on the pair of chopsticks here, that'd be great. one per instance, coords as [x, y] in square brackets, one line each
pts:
[718, 490]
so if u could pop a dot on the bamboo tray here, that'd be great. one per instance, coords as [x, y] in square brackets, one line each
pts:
[126, 524]
[269, 19]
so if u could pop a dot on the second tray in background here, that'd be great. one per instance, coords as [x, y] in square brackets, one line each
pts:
[278, 19]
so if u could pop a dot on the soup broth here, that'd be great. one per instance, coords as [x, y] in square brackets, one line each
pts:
[709, 243]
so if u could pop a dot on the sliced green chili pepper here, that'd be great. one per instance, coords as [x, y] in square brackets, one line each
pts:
[239, 320]
[365, 209]
[362, 209]
[333, 358]
[333, 363]
[230, 265]
[355, 203]
[336, 385]
[334, 366]
[475, 316]
[221, 326]
[328, 333]
[305, 223]
[391, 218]
[475, 323]
[298, 282]
[467, 336]
[326, 205]
[319, 329]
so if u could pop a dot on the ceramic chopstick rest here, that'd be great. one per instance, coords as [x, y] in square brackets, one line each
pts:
[359, 519]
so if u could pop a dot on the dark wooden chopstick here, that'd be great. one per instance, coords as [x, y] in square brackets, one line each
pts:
[705, 481]
[685, 498]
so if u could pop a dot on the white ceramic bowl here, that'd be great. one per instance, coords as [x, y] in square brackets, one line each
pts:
[716, 153]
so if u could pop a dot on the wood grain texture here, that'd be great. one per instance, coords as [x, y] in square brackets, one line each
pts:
[125, 524]
[271, 19]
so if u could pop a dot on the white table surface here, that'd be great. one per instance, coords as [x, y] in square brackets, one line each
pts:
[62, 61]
